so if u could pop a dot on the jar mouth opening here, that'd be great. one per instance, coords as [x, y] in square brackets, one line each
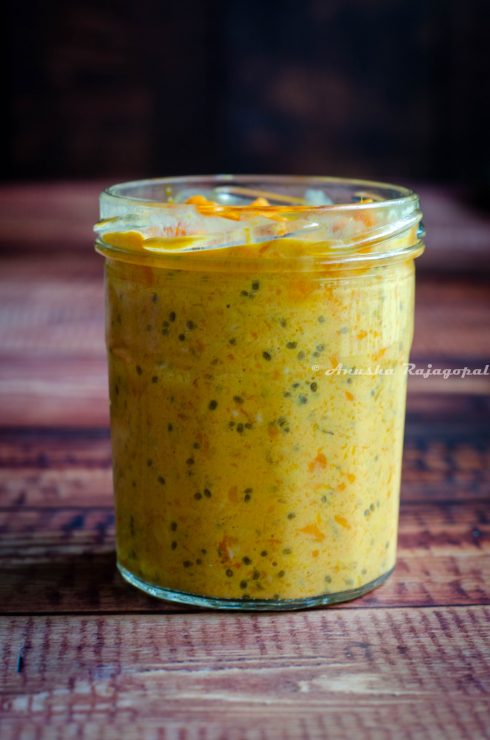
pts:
[264, 218]
[350, 193]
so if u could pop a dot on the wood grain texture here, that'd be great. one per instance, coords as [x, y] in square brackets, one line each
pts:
[86, 656]
[42, 467]
[62, 560]
[66, 580]
[52, 354]
[317, 674]
[57, 522]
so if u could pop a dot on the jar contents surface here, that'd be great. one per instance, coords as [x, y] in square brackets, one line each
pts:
[257, 422]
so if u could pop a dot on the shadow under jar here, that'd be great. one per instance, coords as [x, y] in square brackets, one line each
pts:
[258, 330]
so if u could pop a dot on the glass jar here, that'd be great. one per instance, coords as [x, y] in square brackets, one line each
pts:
[258, 330]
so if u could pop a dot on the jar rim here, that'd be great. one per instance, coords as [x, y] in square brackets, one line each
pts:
[400, 193]
[307, 219]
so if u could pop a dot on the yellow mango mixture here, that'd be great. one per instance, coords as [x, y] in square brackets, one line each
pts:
[257, 421]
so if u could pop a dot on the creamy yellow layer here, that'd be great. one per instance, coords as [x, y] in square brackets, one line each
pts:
[247, 463]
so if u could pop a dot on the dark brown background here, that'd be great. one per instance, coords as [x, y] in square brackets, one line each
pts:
[384, 88]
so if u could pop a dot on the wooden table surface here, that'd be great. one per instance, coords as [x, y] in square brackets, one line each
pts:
[84, 655]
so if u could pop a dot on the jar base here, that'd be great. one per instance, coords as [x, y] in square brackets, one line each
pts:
[211, 602]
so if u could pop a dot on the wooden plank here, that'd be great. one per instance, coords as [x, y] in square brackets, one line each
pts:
[63, 560]
[48, 217]
[450, 317]
[445, 409]
[457, 231]
[50, 391]
[66, 305]
[52, 356]
[101, 657]
[72, 390]
[30, 533]
[324, 673]
[447, 459]
[72, 467]
[53, 217]
[64, 582]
